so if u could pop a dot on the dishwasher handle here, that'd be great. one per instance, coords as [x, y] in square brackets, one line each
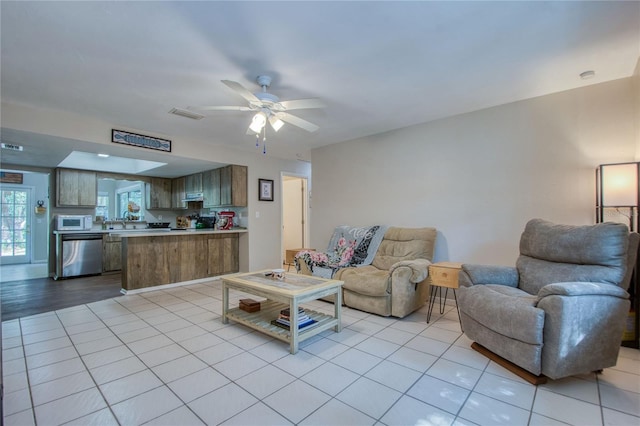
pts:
[76, 237]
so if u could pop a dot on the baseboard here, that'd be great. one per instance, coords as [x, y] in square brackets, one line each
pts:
[518, 371]
[178, 284]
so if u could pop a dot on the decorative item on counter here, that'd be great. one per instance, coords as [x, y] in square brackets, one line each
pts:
[207, 221]
[132, 207]
[225, 220]
[193, 220]
[182, 222]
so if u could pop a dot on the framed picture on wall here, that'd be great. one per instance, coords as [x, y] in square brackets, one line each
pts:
[265, 190]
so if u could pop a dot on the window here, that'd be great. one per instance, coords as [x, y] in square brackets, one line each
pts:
[102, 208]
[129, 196]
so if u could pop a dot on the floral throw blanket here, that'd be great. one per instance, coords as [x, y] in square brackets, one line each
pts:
[349, 246]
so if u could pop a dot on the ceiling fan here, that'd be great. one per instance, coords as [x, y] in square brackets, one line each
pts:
[267, 107]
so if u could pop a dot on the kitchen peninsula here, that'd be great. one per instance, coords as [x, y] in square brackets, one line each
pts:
[156, 258]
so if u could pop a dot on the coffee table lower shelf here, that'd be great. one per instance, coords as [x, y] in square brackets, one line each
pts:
[269, 311]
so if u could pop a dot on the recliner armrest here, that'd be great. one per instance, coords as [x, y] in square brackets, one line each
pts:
[581, 289]
[419, 269]
[472, 274]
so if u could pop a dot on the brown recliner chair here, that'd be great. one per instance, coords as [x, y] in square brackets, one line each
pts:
[395, 283]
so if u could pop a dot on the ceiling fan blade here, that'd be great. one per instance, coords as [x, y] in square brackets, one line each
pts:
[297, 121]
[303, 104]
[241, 90]
[219, 108]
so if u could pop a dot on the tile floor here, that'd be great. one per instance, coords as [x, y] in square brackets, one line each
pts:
[165, 358]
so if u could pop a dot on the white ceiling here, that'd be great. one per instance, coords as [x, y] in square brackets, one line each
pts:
[377, 66]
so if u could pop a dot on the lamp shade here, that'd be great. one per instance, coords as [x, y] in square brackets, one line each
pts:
[619, 184]
[276, 123]
[258, 122]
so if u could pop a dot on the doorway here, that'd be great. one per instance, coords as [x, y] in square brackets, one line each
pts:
[24, 236]
[295, 211]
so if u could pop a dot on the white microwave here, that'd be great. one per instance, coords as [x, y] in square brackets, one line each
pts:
[73, 222]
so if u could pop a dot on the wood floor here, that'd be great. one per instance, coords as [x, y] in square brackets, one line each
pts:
[33, 296]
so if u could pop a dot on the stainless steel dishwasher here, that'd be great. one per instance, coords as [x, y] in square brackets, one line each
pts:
[81, 254]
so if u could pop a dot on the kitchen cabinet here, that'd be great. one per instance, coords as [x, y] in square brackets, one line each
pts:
[233, 186]
[111, 253]
[193, 183]
[211, 188]
[76, 188]
[177, 256]
[223, 255]
[158, 193]
[178, 193]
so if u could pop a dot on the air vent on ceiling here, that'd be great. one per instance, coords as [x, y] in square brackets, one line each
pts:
[11, 146]
[185, 113]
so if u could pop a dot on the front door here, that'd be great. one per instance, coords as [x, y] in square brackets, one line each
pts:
[15, 245]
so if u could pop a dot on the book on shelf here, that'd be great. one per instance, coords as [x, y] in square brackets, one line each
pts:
[301, 317]
[300, 322]
[288, 327]
[287, 312]
[285, 315]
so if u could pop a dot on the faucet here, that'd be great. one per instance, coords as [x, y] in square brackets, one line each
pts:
[125, 216]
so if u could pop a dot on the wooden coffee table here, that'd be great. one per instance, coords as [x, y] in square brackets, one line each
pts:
[288, 293]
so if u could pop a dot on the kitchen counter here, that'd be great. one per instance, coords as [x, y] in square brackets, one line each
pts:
[169, 232]
[146, 232]
[161, 257]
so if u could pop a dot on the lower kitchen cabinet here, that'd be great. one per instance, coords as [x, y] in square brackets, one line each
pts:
[111, 253]
[176, 257]
[223, 254]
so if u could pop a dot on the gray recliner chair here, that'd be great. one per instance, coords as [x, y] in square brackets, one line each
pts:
[561, 310]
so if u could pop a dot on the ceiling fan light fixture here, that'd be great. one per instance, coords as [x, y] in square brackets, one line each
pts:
[276, 123]
[258, 122]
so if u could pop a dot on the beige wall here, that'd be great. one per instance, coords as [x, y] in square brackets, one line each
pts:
[260, 247]
[636, 95]
[480, 176]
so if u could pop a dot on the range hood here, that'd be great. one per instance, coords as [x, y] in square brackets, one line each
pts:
[193, 196]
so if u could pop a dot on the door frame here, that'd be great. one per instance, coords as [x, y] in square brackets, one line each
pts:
[305, 210]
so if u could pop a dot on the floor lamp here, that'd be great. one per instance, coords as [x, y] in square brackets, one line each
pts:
[617, 196]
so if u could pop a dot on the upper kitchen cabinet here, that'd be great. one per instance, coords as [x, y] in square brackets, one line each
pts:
[76, 188]
[158, 193]
[193, 183]
[211, 188]
[233, 186]
[226, 186]
[178, 193]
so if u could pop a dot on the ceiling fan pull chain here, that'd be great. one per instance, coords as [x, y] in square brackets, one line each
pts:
[257, 140]
[264, 140]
